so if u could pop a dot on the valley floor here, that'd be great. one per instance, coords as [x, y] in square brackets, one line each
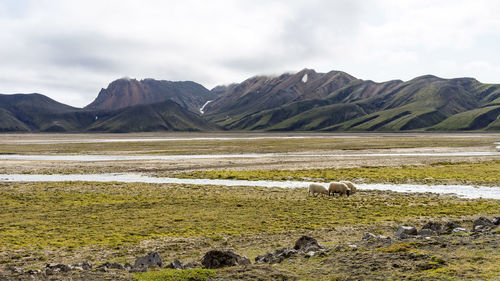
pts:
[72, 222]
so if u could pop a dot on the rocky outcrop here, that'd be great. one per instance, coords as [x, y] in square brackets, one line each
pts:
[482, 224]
[223, 258]
[276, 256]
[149, 260]
[307, 244]
[405, 232]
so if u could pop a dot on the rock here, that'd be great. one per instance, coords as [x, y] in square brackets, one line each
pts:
[176, 264]
[59, 267]
[189, 265]
[127, 266]
[458, 229]
[149, 260]
[33, 272]
[434, 226]
[449, 226]
[482, 224]
[309, 254]
[405, 232]
[16, 270]
[369, 236]
[277, 256]
[307, 244]
[222, 258]
[83, 266]
[113, 265]
[427, 232]
[496, 221]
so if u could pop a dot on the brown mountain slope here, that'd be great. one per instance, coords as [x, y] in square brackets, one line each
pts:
[264, 92]
[128, 92]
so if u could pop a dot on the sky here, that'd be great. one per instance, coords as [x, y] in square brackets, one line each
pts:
[69, 50]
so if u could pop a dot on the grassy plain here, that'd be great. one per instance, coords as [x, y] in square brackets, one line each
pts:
[70, 222]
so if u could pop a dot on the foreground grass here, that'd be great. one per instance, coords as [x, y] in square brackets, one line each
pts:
[367, 141]
[176, 275]
[482, 173]
[73, 214]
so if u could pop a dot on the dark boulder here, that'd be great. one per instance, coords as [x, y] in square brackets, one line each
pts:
[307, 244]
[276, 256]
[434, 226]
[496, 221]
[176, 264]
[223, 258]
[449, 226]
[482, 224]
[405, 231]
[83, 266]
[149, 260]
[427, 232]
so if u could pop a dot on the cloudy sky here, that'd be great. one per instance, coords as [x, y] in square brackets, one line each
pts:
[70, 49]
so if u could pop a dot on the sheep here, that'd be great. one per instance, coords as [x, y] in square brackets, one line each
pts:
[338, 187]
[351, 186]
[317, 188]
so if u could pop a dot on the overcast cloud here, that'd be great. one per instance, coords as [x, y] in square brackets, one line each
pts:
[69, 49]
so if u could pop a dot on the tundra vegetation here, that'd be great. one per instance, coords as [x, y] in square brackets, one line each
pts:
[72, 222]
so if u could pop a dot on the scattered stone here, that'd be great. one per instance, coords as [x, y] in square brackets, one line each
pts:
[307, 244]
[189, 265]
[404, 232]
[16, 270]
[369, 236]
[149, 260]
[496, 221]
[82, 266]
[33, 272]
[482, 224]
[458, 229]
[309, 254]
[449, 226]
[223, 258]
[434, 226]
[277, 256]
[176, 264]
[59, 267]
[427, 232]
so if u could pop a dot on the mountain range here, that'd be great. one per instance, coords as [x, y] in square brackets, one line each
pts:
[305, 101]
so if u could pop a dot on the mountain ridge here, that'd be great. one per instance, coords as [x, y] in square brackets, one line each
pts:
[306, 101]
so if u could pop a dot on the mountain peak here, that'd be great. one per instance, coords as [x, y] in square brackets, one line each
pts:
[125, 92]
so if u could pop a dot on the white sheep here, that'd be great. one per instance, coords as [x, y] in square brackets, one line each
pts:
[351, 186]
[317, 188]
[338, 187]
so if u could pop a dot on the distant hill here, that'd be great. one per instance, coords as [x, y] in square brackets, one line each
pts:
[163, 116]
[129, 92]
[304, 101]
[38, 113]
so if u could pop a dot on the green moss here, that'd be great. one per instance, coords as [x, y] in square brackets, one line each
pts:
[73, 214]
[175, 275]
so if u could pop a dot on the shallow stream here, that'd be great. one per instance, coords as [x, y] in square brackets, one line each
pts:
[464, 191]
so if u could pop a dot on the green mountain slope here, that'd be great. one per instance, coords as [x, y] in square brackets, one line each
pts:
[164, 116]
[419, 104]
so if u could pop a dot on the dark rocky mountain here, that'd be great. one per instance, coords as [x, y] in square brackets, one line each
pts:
[38, 113]
[129, 92]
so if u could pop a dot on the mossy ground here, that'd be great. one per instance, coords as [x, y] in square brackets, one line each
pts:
[66, 218]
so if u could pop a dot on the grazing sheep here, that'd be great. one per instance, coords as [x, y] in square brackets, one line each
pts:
[338, 187]
[351, 187]
[317, 188]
